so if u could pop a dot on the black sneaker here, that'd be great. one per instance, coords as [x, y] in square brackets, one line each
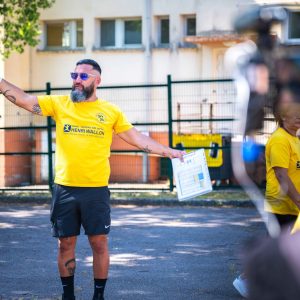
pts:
[67, 298]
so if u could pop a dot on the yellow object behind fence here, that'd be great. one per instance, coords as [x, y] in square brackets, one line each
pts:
[200, 141]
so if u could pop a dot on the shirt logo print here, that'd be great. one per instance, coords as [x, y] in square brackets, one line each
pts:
[298, 165]
[67, 128]
[101, 117]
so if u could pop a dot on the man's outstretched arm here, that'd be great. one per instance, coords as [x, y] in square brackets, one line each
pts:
[19, 97]
[145, 143]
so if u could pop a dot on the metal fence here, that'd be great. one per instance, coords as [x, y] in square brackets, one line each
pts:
[188, 114]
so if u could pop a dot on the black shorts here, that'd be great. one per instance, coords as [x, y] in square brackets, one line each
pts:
[75, 206]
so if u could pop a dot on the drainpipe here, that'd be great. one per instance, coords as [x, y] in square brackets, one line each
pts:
[148, 75]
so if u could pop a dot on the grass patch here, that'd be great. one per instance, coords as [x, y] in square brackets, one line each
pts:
[214, 195]
[224, 194]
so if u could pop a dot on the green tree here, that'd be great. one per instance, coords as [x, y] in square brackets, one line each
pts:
[19, 24]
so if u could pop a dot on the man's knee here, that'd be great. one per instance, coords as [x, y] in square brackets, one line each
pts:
[66, 244]
[99, 244]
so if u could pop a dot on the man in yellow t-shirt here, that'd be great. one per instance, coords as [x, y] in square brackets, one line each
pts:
[84, 129]
[84, 133]
[283, 168]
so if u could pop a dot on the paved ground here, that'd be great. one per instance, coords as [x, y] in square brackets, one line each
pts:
[163, 253]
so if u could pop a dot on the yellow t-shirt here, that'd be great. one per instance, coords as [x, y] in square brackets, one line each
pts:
[83, 138]
[282, 150]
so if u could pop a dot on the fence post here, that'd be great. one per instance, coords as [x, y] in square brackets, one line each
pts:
[170, 125]
[49, 136]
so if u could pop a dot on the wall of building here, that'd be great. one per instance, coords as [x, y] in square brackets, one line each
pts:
[35, 67]
[17, 167]
[125, 65]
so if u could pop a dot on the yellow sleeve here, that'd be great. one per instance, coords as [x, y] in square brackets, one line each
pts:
[280, 155]
[122, 124]
[47, 105]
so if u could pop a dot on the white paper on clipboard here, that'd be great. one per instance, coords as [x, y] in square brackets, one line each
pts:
[192, 175]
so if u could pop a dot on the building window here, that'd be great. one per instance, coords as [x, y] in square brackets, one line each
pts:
[293, 32]
[107, 33]
[120, 33]
[164, 31]
[79, 34]
[190, 26]
[64, 34]
[133, 32]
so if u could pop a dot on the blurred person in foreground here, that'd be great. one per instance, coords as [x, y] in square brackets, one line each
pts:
[273, 268]
[85, 126]
[273, 264]
[282, 196]
[282, 151]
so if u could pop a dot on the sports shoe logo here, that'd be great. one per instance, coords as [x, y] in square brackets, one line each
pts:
[67, 128]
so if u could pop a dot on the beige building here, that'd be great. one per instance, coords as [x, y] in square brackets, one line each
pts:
[134, 41]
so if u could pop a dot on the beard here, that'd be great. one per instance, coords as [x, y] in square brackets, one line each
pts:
[81, 95]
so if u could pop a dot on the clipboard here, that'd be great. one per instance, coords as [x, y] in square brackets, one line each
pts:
[192, 175]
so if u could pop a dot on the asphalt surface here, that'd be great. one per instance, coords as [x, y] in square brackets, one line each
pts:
[157, 252]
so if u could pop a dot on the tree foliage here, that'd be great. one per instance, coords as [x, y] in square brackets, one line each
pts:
[19, 24]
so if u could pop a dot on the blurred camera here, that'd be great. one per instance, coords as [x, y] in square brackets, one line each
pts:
[272, 69]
